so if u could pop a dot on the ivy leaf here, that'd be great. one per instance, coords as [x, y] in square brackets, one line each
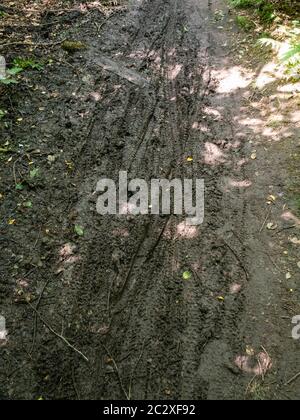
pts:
[14, 71]
[33, 173]
[28, 204]
[186, 275]
[19, 187]
[79, 230]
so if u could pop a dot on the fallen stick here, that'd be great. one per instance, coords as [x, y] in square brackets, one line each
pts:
[265, 221]
[36, 316]
[293, 379]
[239, 260]
[116, 371]
[57, 334]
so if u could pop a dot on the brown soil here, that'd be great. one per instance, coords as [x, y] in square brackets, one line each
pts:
[117, 294]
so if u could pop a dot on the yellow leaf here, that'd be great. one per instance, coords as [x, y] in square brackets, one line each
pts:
[69, 165]
[250, 351]
[221, 298]
[271, 198]
[12, 222]
[190, 159]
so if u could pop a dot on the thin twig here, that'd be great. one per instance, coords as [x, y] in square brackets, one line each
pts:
[249, 385]
[273, 262]
[116, 371]
[14, 169]
[74, 384]
[57, 334]
[286, 228]
[36, 316]
[134, 369]
[239, 260]
[293, 379]
[32, 44]
[265, 221]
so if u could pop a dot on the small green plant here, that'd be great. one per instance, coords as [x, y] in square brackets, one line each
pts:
[2, 113]
[287, 50]
[79, 230]
[244, 4]
[27, 63]
[244, 22]
[19, 65]
[33, 173]
[9, 79]
[264, 9]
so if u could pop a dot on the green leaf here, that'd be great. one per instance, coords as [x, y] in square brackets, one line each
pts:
[8, 81]
[79, 230]
[28, 204]
[291, 53]
[19, 187]
[187, 275]
[33, 173]
[15, 70]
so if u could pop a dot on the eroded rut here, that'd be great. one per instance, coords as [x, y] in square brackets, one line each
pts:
[148, 334]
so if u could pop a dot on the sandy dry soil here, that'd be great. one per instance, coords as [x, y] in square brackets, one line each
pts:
[159, 82]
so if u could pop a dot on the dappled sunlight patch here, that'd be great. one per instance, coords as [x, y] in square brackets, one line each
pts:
[295, 118]
[22, 283]
[213, 155]
[96, 96]
[239, 184]
[173, 71]
[183, 230]
[138, 54]
[200, 127]
[241, 162]
[235, 288]
[66, 251]
[121, 232]
[288, 216]
[172, 52]
[233, 79]
[213, 113]
[257, 365]
[267, 75]
[289, 88]
[252, 122]
[196, 266]
[67, 257]
[278, 118]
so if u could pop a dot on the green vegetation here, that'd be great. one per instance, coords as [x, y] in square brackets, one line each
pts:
[2, 113]
[264, 9]
[27, 63]
[245, 23]
[287, 50]
[20, 65]
[284, 39]
[73, 46]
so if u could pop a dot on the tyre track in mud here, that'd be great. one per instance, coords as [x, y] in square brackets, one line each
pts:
[176, 320]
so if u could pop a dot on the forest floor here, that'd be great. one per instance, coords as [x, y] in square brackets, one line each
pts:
[100, 307]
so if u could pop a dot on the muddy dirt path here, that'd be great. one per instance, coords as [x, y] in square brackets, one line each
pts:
[146, 99]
